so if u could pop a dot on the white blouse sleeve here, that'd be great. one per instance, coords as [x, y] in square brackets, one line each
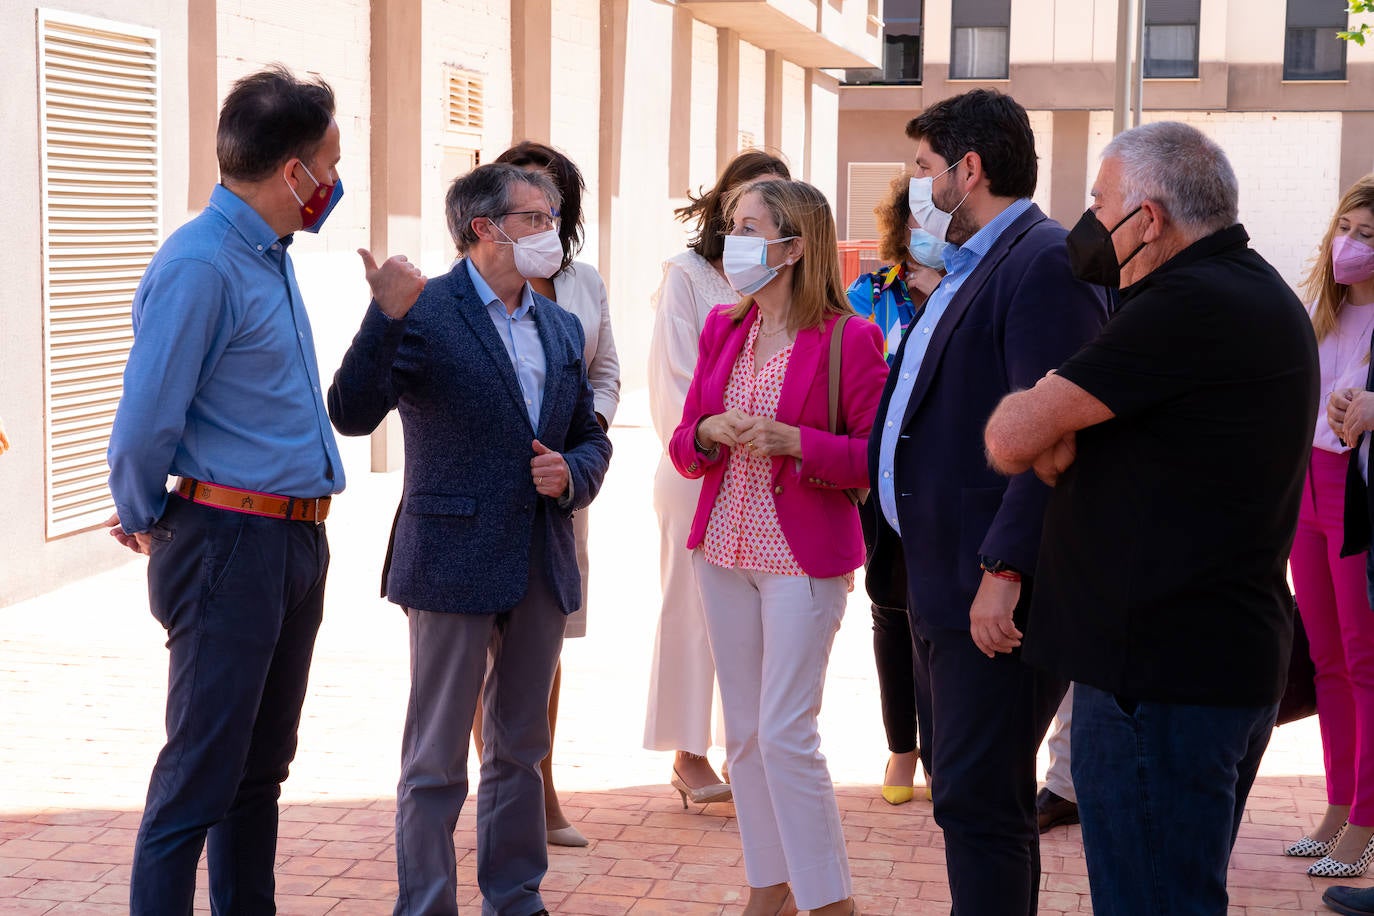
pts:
[672, 350]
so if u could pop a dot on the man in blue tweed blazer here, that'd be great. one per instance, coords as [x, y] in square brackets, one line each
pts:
[501, 447]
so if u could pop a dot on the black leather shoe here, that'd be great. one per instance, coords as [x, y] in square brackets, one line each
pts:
[1352, 901]
[1051, 810]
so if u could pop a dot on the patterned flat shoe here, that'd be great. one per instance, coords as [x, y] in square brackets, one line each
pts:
[1327, 867]
[1314, 849]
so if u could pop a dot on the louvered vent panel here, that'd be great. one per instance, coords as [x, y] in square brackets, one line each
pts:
[465, 101]
[98, 101]
[869, 183]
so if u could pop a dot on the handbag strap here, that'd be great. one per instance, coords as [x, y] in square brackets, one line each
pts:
[836, 341]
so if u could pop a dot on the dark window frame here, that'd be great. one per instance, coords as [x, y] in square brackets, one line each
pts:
[1304, 29]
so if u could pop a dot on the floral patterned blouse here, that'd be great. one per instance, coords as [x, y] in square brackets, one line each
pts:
[743, 531]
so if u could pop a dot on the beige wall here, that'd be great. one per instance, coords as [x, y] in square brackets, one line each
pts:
[648, 99]
[29, 562]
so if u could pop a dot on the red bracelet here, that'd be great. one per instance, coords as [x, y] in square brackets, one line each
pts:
[1005, 574]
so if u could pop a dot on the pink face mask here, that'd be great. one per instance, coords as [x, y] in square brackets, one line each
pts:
[1351, 261]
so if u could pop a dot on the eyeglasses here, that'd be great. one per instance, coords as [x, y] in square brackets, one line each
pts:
[538, 220]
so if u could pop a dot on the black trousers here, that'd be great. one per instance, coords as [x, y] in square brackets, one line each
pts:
[988, 717]
[906, 708]
[241, 598]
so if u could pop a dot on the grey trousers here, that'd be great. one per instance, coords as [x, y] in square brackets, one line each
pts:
[448, 657]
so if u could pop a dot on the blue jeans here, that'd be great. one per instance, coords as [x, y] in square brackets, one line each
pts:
[1161, 790]
[241, 598]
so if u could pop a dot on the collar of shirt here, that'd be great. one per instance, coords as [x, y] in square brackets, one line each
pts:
[963, 258]
[493, 301]
[247, 222]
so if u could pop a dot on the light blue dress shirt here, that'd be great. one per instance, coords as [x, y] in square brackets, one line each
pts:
[520, 335]
[221, 383]
[960, 261]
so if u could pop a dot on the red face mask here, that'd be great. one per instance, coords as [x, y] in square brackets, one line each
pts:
[318, 205]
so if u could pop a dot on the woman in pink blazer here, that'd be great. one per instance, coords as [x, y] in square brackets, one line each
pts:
[776, 537]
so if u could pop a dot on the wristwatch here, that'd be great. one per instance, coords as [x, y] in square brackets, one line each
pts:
[999, 568]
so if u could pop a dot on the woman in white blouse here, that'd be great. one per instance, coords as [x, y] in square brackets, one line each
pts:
[682, 680]
[578, 288]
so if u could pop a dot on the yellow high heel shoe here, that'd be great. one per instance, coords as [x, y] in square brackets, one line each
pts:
[896, 795]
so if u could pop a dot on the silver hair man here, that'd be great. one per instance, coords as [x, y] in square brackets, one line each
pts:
[1181, 169]
[486, 193]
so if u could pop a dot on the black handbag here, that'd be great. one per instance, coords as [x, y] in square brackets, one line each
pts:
[1300, 693]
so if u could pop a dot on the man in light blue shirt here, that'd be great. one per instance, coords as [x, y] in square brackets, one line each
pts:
[1007, 312]
[223, 391]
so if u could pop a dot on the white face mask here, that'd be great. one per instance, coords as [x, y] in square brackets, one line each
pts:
[927, 249]
[745, 262]
[932, 218]
[537, 256]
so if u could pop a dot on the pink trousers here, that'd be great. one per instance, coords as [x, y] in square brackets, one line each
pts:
[1334, 603]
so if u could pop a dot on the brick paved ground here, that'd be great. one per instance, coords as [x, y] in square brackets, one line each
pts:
[82, 673]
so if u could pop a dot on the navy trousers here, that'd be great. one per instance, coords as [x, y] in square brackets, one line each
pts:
[241, 598]
[988, 717]
[1161, 791]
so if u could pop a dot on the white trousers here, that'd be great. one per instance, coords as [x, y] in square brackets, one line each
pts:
[682, 681]
[1058, 779]
[771, 638]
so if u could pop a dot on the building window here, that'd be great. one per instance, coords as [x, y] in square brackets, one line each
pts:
[1171, 28]
[98, 88]
[1311, 50]
[980, 39]
[902, 41]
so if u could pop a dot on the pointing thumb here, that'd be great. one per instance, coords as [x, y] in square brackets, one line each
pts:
[540, 448]
[369, 264]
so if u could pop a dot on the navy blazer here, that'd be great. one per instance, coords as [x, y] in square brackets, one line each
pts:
[461, 539]
[1019, 314]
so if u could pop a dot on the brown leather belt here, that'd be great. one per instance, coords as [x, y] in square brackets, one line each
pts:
[250, 502]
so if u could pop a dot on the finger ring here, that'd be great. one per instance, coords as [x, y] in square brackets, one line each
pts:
[538, 481]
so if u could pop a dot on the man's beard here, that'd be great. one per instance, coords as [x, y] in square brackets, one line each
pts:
[961, 222]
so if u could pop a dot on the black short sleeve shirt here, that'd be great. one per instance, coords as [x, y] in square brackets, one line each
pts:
[1162, 572]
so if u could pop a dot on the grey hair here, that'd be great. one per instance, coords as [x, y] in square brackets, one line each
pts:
[485, 192]
[1181, 169]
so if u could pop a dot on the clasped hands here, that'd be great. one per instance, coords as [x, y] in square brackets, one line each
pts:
[1350, 412]
[761, 435]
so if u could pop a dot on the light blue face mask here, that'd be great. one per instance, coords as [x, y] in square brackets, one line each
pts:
[927, 249]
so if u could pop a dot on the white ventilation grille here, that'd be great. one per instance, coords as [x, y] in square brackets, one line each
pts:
[466, 103]
[98, 117]
[747, 140]
[869, 183]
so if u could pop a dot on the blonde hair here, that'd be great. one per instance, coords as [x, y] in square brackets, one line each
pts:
[1320, 286]
[892, 213]
[800, 211]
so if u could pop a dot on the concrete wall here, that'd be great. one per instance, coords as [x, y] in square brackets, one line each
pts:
[29, 562]
[647, 99]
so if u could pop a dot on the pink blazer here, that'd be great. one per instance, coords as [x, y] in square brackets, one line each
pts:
[820, 523]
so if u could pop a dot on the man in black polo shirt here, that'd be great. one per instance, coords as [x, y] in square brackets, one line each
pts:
[1179, 439]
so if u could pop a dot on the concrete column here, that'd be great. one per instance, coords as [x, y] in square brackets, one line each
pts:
[1357, 147]
[772, 101]
[614, 16]
[531, 47]
[680, 103]
[396, 159]
[727, 98]
[1070, 170]
[203, 98]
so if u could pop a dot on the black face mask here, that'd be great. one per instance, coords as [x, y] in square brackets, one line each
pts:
[1092, 256]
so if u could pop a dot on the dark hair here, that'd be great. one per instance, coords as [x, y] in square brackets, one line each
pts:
[708, 209]
[989, 123]
[567, 177]
[485, 192]
[268, 118]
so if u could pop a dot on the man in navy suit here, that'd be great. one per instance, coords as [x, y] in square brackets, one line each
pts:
[1007, 312]
[502, 445]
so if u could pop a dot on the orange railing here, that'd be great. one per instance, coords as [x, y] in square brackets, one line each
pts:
[858, 257]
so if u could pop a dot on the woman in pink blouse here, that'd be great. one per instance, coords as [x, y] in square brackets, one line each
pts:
[776, 536]
[1331, 589]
